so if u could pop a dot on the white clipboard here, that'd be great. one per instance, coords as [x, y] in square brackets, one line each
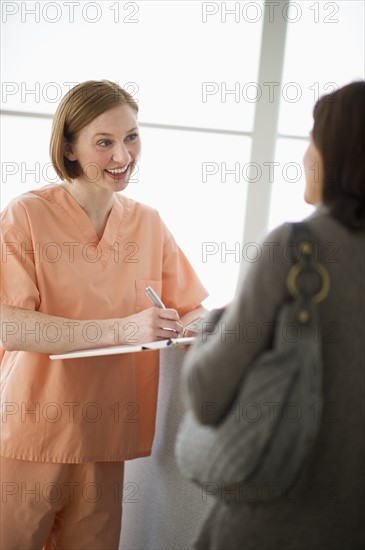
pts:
[116, 350]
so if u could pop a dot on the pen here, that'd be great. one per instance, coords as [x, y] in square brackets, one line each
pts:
[154, 298]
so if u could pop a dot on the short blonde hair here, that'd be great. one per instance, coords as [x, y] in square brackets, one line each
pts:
[80, 106]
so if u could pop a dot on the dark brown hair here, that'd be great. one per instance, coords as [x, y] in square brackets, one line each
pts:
[80, 106]
[339, 135]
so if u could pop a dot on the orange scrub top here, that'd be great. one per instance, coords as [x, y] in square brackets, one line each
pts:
[97, 408]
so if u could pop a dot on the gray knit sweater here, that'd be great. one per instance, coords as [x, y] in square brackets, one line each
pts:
[325, 510]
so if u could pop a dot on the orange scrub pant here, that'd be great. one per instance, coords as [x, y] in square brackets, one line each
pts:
[60, 506]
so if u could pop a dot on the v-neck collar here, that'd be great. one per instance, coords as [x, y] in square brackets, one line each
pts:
[87, 232]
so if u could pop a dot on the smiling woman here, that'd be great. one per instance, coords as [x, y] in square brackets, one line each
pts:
[95, 143]
[91, 294]
[105, 152]
[82, 120]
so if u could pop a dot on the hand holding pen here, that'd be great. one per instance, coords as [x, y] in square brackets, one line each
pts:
[155, 299]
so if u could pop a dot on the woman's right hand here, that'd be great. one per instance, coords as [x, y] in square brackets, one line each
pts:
[150, 325]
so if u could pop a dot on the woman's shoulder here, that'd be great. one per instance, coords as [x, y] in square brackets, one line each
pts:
[321, 223]
[328, 229]
[31, 197]
[276, 247]
[334, 243]
[25, 207]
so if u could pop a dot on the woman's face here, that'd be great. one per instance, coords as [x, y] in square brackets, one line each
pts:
[107, 149]
[313, 170]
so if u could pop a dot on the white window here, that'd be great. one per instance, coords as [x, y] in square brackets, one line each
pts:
[193, 67]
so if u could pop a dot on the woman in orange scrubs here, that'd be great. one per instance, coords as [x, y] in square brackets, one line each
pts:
[76, 258]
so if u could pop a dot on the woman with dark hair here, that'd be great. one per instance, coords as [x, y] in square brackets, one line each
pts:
[324, 509]
[339, 136]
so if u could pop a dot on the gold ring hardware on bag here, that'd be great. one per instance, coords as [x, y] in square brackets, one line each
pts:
[291, 282]
[305, 247]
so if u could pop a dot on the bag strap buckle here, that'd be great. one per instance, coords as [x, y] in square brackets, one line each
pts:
[305, 261]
